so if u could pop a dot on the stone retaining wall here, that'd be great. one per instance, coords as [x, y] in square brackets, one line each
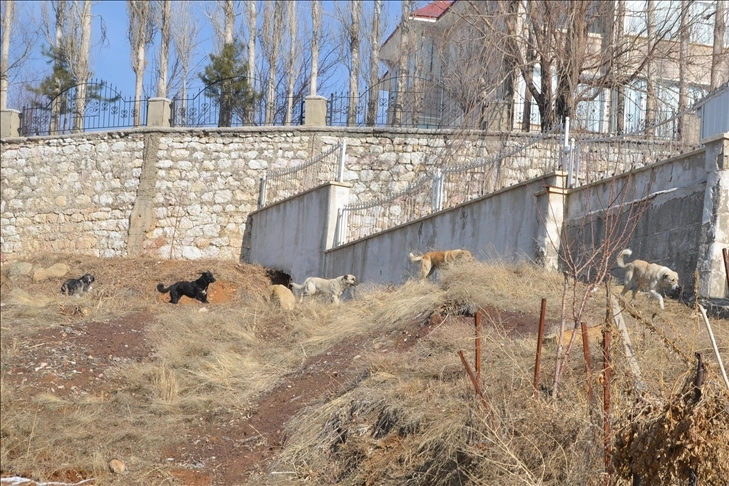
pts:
[186, 193]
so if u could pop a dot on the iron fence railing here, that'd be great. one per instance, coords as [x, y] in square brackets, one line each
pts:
[422, 104]
[247, 107]
[279, 184]
[90, 106]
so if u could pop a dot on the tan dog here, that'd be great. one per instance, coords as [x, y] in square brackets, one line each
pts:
[334, 287]
[437, 259]
[282, 296]
[645, 276]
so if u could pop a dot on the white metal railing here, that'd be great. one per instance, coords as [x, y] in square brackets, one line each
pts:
[279, 184]
[355, 221]
[540, 155]
[448, 187]
[593, 158]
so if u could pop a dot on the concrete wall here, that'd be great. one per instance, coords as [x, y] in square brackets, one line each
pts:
[662, 202]
[292, 235]
[508, 225]
[675, 213]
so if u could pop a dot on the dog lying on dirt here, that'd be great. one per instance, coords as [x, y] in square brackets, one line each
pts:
[77, 286]
[437, 259]
[645, 276]
[334, 288]
[197, 289]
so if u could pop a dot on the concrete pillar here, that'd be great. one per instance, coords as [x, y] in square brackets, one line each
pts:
[158, 112]
[551, 205]
[315, 111]
[714, 219]
[338, 198]
[9, 123]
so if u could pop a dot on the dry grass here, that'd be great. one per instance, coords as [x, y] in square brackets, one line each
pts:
[416, 420]
[413, 420]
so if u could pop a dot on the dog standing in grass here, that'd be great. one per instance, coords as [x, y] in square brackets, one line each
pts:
[77, 286]
[197, 289]
[334, 287]
[438, 259]
[645, 276]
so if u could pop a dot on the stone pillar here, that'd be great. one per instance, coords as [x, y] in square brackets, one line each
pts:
[315, 111]
[9, 123]
[158, 112]
[551, 204]
[714, 219]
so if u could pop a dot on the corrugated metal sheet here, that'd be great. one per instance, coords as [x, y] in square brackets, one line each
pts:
[714, 114]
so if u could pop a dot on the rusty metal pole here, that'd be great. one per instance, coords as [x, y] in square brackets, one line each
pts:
[606, 402]
[478, 346]
[586, 349]
[726, 264]
[540, 337]
[478, 389]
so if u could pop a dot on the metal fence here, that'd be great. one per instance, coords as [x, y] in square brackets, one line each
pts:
[278, 184]
[91, 106]
[590, 157]
[449, 186]
[356, 221]
[423, 104]
[247, 108]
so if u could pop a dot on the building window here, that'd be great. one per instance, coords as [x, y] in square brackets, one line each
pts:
[702, 22]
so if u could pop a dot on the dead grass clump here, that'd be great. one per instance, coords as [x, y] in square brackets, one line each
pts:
[665, 442]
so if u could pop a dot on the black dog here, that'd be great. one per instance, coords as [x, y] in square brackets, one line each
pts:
[195, 290]
[77, 286]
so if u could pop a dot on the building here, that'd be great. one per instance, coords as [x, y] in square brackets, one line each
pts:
[615, 66]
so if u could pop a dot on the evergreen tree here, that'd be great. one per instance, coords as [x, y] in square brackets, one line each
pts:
[226, 81]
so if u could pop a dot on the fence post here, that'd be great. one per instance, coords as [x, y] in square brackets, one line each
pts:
[437, 199]
[262, 191]
[577, 163]
[342, 154]
[341, 233]
[565, 143]
[570, 158]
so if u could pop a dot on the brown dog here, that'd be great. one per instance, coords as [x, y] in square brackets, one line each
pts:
[644, 276]
[437, 259]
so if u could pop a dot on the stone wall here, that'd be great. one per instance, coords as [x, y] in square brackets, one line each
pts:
[186, 193]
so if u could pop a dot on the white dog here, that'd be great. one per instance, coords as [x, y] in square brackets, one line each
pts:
[644, 276]
[332, 287]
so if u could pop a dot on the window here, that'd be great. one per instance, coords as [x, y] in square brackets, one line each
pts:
[590, 114]
[701, 18]
[636, 17]
[635, 106]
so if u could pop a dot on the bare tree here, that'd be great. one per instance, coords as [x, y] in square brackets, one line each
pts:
[78, 60]
[682, 67]
[251, 4]
[164, 47]
[17, 48]
[718, 53]
[7, 21]
[315, 33]
[353, 31]
[140, 34]
[290, 73]
[184, 39]
[273, 14]
[402, 63]
[374, 68]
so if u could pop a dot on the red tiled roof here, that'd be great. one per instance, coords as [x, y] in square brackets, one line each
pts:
[432, 10]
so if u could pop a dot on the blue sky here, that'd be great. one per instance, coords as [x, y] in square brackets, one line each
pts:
[110, 61]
